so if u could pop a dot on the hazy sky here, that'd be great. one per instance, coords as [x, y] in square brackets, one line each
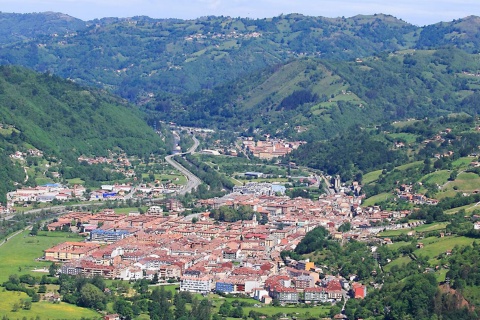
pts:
[419, 12]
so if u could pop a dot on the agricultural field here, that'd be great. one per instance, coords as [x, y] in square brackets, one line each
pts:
[397, 262]
[19, 253]
[377, 198]
[19, 256]
[434, 246]
[41, 310]
[371, 176]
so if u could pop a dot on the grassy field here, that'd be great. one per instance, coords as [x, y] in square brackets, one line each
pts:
[435, 246]
[128, 210]
[42, 309]
[18, 256]
[371, 177]
[431, 227]
[19, 253]
[462, 162]
[408, 137]
[377, 198]
[438, 177]
[468, 208]
[466, 181]
[75, 181]
[398, 262]
[298, 312]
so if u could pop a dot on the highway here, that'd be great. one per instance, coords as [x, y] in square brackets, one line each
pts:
[192, 180]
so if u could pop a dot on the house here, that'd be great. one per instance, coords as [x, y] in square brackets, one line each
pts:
[359, 290]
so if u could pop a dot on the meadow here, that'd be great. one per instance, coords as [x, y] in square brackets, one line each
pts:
[19, 256]
[19, 253]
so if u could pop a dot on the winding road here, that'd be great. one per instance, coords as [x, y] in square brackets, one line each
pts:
[193, 181]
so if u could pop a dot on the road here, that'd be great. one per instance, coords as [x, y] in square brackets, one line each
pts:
[192, 180]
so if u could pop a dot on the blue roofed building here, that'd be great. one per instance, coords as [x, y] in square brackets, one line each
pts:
[100, 235]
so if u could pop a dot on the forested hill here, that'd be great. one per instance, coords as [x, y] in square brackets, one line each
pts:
[140, 57]
[16, 27]
[314, 99]
[66, 120]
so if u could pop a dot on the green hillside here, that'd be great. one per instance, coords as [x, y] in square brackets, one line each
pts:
[312, 99]
[65, 120]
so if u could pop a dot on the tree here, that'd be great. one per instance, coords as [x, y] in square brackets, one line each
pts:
[42, 288]
[225, 308]
[52, 270]
[34, 230]
[92, 297]
[155, 278]
[180, 306]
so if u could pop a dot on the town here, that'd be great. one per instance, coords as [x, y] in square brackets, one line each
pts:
[206, 255]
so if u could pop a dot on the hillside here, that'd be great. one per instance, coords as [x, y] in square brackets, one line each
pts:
[15, 27]
[65, 120]
[140, 56]
[313, 99]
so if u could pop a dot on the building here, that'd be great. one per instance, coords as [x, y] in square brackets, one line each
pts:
[315, 295]
[305, 265]
[285, 295]
[196, 284]
[70, 250]
[107, 235]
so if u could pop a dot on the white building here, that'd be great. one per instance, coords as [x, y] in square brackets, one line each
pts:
[196, 284]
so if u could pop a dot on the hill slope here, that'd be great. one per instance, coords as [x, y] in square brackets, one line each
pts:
[138, 56]
[314, 99]
[64, 120]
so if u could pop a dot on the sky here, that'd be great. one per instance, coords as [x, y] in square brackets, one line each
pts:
[418, 12]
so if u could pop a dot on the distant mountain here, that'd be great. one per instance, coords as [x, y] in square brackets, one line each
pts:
[140, 57]
[23, 27]
[292, 74]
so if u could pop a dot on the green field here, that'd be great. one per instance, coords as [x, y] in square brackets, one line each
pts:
[462, 162]
[19, 253]
[435, 246]
[128, 210]
[42, 309]
[438, 177]
[377, 199]
[371, 177]
[18, 256]
[298, 312]
[75, 181]
[398, 262]
[465, 181]
[407, 137]
[431, 227]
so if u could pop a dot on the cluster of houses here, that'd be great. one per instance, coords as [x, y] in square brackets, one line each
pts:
[231, 257]
[120, 162]
[18, 155]
[405, 192]
[217, 35]
[123, 191]
[270, 148]
[45, 193]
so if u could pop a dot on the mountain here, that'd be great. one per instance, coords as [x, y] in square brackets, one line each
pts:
[293, 75]
[140, 56]
[314, 99]
[16, 27]
[65, 120]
